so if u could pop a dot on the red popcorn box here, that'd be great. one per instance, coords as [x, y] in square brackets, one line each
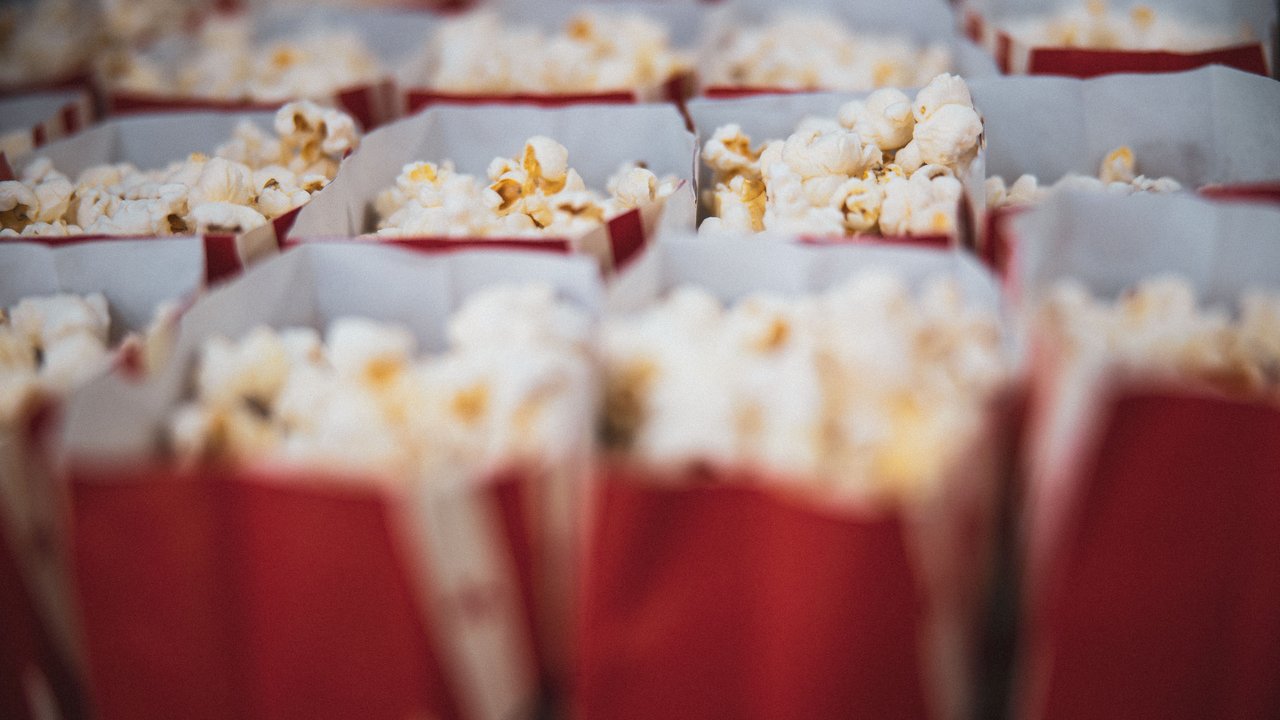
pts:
[924, 23]
[277, 591]
[41, 660]
[724, 590]
[1211, 147]
[419, 77]
[389, 35]
[153, 142]
[598, 138]
[1239, 33]
[1147, 527]
[31, 120]
[775, 117]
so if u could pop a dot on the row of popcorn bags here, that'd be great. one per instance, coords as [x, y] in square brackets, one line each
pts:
[259, 58]
[323, 572]
[752, 47]
[410, 156]
[845, 166]
[1150, 512]
[555, 53]
[30, 120]
[736, 566]
[1124, 131]
[142, 285]
[1085, 38]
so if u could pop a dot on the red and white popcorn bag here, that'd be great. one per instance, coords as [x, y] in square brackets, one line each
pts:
[142, 286]
[739, 131]
[717, 586]
[155, 142]
[553, 54]
[278, 588]
[1151, 516]
[257, 60]
[598, 139]
[29, 121]
[1205, 130]
[1085, 38]
[753, 47]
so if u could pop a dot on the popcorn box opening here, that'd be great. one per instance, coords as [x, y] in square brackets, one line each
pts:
[777, 117]
[445, 72]
[598, 139]
[444, 598]
[671, 618]
[736, 56]
[30, 121]
[136, 278]
[1155, 37]
[1214, 143]
[1123, 462]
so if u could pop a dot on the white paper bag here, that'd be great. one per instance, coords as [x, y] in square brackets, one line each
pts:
[29, 121]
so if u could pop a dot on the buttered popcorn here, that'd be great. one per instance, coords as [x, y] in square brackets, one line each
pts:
[814, 52]
[863, 387]
[250, 180]
[1117, 174]
[593, 52]
[514, 385]
[1096, 26]
[535, 194]
[1158, 331]
[228, 64]
[888, 165]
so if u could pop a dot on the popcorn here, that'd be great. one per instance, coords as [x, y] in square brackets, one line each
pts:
[887, 165]
[535, 194]
[816, 52]
[249, 180]
[1158, 332]
[1116, 174]
[595, 52]
[225, 63]
[43, 41]
[49, 345]
[861, 388]
[1096, 26]
[362, 402]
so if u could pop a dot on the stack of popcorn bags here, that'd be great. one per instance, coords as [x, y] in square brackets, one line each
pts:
[612, 360]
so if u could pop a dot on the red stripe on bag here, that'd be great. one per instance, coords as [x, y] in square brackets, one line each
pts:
[626, 237]
[221, 257]
[1091, 63]
[973, 26]
[1004, 52]
[445, 244]
[1264, 192]
[6, 170]
[283, 225]
[71, 118]
[39, 135]
[929, 242]
[729, 92]
[416, 100]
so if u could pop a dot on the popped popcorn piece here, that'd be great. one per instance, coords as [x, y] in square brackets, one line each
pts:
[1116, 174]
[862, 390]
[361, 401]
[810, 51]
[887, 165]
[535, 194]
[251, 179]
[1097, 26]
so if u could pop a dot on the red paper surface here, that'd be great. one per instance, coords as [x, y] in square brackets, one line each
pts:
[675, 89]
[717, 601]
[1164, 601]
[1263, 192]
[1091, 63]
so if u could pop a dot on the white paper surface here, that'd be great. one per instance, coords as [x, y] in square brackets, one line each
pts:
[599, 139]
[1227, 14]
[1209, 126]
[148, 141]
[23, 112]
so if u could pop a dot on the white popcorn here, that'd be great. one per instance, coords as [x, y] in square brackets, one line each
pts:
[1094, 25]
[728, 152]
[1116, 174]
[222, 181]
[254, 369]
[948, 136]
[884, 120]
[366, 351]
[813, 154]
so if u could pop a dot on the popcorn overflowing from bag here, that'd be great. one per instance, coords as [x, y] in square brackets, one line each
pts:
[250, 180]
[594, 52]
[536, 194]
[1117, 174]
[887, 166]
[800, 51]
[516, 375]
[865, 387]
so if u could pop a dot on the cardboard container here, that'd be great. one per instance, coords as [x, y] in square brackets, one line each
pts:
[278, 593]
[1149, 517]
[715, 591]
[985, 24]
[599, 140]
